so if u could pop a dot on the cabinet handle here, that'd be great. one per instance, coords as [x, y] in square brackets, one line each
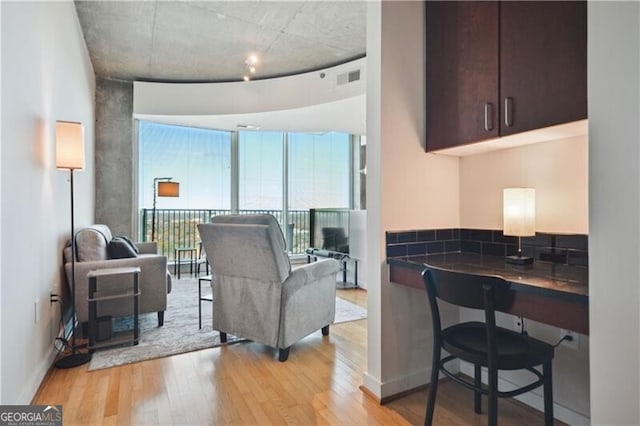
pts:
[508, 121]
[488, 116]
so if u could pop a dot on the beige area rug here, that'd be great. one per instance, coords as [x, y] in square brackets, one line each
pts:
[180, 332]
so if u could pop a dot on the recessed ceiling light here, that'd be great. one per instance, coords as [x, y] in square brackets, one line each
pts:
[246, 78]
[252, 70]
[252, 59]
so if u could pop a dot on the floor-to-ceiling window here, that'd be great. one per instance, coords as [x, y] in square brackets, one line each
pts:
[221, 172]
[260, 171]
[199, 159]
[319, 170]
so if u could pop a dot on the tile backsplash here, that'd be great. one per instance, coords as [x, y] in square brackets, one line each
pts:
[557, 248]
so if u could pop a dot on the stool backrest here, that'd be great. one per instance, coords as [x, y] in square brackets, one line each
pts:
[486, 292]
[467, 290]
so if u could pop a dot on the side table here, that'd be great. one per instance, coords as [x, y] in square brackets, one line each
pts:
[339, 256]
[96, 296]
[177, 254]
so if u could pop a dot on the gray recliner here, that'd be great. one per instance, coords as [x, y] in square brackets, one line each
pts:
[256, 293]
[92, 253]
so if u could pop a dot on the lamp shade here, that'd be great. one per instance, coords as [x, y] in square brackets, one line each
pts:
[519, 212]
[69, 145]
[168, 189]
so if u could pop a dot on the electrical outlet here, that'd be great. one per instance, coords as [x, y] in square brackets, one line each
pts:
[517, 324]
[571, 344]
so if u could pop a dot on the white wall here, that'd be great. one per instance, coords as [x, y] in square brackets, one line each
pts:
[558, 170]
[46, 76]
[272, 94]
[0, 221]
[406, 189]
[302, 102]
[614, 211]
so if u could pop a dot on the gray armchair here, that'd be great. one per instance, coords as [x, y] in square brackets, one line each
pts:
[91, 254]
[256, 293]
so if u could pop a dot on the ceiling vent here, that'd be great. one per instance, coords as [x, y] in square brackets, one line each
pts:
[348, 77]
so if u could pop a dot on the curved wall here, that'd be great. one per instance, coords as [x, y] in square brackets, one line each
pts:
[259, 96]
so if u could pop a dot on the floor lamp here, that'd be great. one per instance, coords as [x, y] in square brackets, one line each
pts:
[165, 188]
[70, 156]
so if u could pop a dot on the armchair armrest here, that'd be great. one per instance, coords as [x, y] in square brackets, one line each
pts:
[152, 261]
[153, 281]
[309, 273]
[308, 300]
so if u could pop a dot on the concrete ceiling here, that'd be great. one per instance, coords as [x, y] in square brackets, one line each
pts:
[186, 41]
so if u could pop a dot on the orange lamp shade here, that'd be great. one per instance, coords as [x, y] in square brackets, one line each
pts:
[168, 189]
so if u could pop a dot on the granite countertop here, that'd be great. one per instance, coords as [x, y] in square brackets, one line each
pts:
[564, 281]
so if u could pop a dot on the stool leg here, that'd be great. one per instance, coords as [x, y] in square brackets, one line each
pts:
[477, 400]
[493, 397]
[548, 394]
[199, 304]
[433, 385]
[179, 263]
[175, 263]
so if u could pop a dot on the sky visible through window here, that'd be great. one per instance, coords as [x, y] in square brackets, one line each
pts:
[200, 160]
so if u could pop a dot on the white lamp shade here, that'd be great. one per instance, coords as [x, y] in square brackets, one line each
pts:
[69, 145]
[519, 212]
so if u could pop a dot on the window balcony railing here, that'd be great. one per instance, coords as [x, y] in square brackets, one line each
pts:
[179, 227]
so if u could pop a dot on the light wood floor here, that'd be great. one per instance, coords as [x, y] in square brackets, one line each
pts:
[244, 384]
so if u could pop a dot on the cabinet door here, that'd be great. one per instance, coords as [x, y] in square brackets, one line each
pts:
[461, 73]
[543, 64]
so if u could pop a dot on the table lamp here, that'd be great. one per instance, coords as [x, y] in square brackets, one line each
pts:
[519, 219]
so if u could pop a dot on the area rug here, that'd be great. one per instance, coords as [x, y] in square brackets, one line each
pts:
[180, 332]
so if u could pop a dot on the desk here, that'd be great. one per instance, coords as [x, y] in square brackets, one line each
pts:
[549, 293]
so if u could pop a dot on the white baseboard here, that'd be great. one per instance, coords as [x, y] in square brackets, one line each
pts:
[29, 391]
[404, 383]
[372, 384]
[531, 399]
[401, 384]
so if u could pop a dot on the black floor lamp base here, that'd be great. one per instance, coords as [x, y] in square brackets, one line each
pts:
[73, 360]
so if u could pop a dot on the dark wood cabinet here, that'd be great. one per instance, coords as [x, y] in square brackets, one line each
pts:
[499, 68]
[543, 64]
[461, 73]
